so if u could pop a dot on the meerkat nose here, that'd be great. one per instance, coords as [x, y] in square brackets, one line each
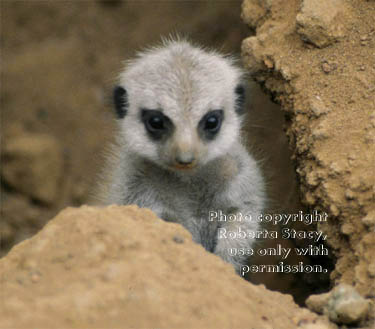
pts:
[185, 158]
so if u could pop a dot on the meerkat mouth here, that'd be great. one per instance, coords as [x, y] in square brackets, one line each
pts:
[185, 167]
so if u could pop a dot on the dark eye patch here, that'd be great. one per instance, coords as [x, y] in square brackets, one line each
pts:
[157, 125]
[120, 99]
[210, 124]
[240, 99]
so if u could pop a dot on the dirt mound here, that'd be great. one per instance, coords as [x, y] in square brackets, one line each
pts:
[124, 267]
[319, 64]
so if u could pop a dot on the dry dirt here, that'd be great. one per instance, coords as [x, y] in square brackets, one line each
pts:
[112, 268]
[318, 62]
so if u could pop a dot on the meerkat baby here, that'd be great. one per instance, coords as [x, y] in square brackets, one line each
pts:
[179, 151]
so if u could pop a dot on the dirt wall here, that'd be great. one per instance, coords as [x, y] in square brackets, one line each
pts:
[317, 59]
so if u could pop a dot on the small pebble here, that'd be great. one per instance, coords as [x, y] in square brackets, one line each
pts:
[178, 239]
[326, 68]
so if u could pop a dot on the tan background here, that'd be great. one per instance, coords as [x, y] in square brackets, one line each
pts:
[60, 61]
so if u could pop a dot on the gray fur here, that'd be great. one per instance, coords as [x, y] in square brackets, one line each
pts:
[186, 82]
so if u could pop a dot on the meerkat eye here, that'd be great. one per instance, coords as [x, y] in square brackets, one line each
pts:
[210, 124]
[156, 123]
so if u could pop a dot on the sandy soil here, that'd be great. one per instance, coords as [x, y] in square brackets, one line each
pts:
[122, 267]
[318, 61]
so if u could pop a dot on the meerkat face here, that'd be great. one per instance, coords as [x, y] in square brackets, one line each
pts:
[180, 106]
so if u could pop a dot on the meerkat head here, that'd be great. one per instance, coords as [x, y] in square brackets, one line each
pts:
[180, 106]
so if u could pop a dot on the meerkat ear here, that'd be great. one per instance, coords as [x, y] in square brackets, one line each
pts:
[120, 99]
[240, 99]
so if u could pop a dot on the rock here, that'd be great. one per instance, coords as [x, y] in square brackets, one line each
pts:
[122, 267]
[346, 305]
[328, 66]
[317, 107]
[318, 303]
[369, 220]
[343, 305]
[33, 165]
[250, 52]
[321, 22]
[253, 11]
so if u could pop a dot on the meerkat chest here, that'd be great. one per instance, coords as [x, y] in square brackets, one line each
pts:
[172, 198]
